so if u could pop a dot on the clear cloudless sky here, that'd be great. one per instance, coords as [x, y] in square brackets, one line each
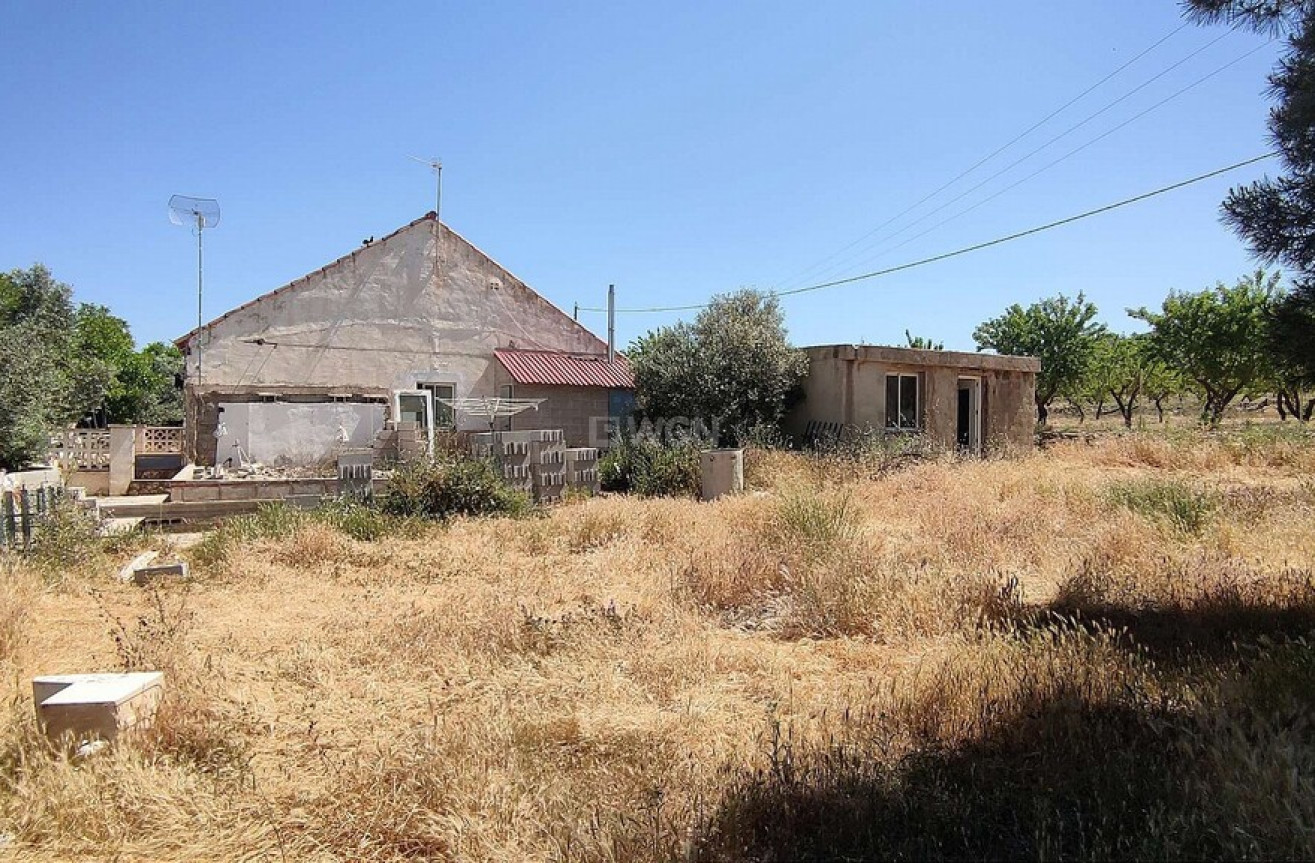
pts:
[677, 150]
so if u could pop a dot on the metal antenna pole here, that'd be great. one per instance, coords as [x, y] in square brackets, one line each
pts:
[199, 214]
[438, 191]
[436, 165]
[438, 222]
[200, 232]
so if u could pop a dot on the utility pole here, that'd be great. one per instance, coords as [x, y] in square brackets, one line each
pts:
[611, 323]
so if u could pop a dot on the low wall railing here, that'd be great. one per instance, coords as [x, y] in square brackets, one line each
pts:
[81, 449]
[159, 440]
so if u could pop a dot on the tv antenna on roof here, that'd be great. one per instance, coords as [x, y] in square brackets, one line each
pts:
[436, 165]
[199, 213]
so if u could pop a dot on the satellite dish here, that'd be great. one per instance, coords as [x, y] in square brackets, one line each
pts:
[199, 213]
[194, 212]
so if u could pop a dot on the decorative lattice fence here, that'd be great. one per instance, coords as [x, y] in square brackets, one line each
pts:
[83, 449]
[152, 440]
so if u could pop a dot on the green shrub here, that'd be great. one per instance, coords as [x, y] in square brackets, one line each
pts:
[870, 453]
[614, 470]
[650, 467]
[358, 520]
[814, 524]
[450, 486]
[1186, 508]
[67, 536]
[271, 520]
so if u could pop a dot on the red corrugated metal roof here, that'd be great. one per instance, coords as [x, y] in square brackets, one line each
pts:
[566, 370]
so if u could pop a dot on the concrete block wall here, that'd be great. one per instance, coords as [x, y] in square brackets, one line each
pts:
[532, 459]
[582, 469]
[571, 409]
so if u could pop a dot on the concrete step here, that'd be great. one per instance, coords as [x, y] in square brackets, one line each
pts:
[200, 511]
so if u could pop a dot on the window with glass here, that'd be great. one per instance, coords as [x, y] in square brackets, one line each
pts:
[902, 402]
[444, 416]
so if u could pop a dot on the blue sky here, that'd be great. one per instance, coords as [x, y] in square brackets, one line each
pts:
[676, 150]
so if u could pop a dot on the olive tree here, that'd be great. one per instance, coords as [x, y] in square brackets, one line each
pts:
[732, 368]
[1275, 215]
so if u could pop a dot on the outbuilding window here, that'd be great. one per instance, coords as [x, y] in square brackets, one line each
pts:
[903, 402]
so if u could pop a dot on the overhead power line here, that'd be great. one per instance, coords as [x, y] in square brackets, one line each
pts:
[967, 249]
[855, 259]
[1070, 154]
[1037, 125]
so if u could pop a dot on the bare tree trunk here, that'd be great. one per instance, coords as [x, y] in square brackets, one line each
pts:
[1215, 405]
[1292, 404]
[1125, 408]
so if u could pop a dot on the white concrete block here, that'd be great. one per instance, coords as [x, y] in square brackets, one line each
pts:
[91, 706]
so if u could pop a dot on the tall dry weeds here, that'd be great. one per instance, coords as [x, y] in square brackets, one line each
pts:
[951, 659]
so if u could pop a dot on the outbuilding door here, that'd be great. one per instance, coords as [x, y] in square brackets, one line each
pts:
[969, 427]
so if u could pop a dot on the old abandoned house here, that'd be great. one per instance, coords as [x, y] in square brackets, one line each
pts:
[390, 332]
[973, 402]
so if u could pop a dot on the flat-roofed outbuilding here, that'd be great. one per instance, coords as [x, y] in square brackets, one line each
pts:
[975, 402]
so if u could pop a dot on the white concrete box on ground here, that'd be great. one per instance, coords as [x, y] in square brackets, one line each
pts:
[723, 472]
[96, 706]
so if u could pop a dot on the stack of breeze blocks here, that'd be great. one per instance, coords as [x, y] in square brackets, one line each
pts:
[582, 469]
[539, 462]
[401, 441]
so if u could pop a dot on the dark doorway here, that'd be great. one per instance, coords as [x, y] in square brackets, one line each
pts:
[968, 426]
[965, 431]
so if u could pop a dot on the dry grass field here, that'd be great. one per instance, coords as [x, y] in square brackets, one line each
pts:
[1095, 651]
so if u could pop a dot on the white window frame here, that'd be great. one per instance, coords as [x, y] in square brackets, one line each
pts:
[429, 386]
[429, 410]
[893, 424]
